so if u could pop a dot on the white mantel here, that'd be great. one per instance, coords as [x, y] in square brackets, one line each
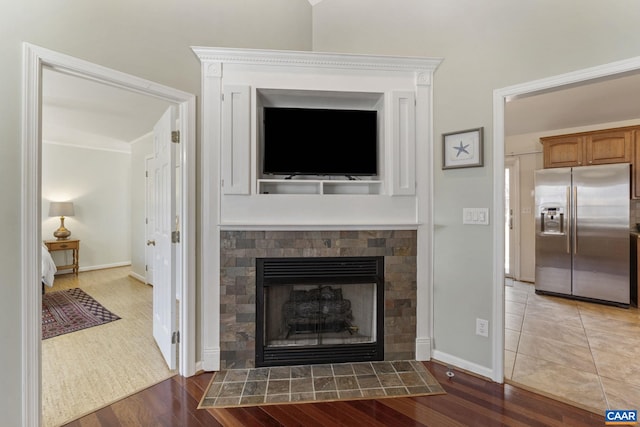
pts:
[237, 83]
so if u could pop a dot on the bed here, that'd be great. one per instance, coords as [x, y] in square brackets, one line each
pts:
[48, 268]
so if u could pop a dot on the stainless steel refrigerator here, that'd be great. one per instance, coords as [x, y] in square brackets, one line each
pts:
[582, 232]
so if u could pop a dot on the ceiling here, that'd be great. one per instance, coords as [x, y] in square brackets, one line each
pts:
[83, 112]
[603, 101]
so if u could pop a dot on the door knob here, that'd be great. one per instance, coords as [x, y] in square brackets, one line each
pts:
[151, 242]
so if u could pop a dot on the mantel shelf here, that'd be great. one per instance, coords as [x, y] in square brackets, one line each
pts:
[319, 186]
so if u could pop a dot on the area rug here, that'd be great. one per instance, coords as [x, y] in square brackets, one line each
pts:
[71, 310]
[319, 383]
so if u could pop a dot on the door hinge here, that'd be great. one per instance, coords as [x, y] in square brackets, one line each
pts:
[175, 237]
[146, 268]
[175, 337]
[175, 136]
[146, 174]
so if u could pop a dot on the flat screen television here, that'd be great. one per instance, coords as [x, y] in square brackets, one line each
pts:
[313, 141]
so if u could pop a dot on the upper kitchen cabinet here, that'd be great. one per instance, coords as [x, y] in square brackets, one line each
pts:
[589, 148]
[618, 145]
[610, 146]
[563, 151]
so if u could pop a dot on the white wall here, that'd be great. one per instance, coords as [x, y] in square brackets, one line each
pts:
[140, 149]
[98, 182]
[146, 38]
[528, 164]
[486, 45]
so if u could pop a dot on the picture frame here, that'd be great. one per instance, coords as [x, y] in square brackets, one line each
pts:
[463, 149]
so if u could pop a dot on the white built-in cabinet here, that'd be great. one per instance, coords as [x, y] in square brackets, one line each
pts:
[238, 84]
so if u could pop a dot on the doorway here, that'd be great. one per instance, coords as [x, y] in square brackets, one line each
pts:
[35, 58]
[501, 97]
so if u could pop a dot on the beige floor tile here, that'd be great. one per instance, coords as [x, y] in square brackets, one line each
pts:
[617, 367]
[558, 335]
[541, 327]
[582, 388]
[511, 339]
[627, 327]
[529, 288]
[566, 316]
[513, 322]
[602, 311]
[626, 345]
[515, 295]
[621, 395]
[513, 307]
[571, 356]
[509, 361]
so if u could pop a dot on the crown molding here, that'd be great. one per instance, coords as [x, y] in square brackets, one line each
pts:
[315, 59]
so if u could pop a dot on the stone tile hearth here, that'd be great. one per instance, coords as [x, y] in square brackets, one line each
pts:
[239, 250]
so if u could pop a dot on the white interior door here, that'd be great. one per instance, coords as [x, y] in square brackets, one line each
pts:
[150, 212]
[164, 286]
[511, 217]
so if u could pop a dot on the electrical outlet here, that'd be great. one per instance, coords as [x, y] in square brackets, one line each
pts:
[482, 327]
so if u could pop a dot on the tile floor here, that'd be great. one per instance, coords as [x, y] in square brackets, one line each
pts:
[578, 352]
[245, 387]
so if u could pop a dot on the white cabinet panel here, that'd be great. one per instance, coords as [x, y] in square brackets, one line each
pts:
[403, 109]
[236, 139]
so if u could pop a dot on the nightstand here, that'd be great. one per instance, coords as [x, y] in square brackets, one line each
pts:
[66, 245]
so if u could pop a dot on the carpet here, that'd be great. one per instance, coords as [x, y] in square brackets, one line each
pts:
[71, 310]
[319, 383]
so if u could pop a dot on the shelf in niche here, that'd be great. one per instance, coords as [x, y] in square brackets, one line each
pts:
[319, 186]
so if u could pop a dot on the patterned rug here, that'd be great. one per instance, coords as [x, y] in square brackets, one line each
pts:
[71, 310]
[319, 383]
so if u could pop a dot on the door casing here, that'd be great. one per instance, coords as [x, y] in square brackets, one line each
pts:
[34, 59]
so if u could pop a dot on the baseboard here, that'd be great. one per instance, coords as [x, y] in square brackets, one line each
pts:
[211, 359]
[97, 267]
[423, 349]
[138, 277]
[463, 364]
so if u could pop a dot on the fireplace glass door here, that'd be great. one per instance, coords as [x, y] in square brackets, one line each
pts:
[320, 314]
[327, 313]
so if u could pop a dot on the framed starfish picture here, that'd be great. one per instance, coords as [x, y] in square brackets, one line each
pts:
[462, 149]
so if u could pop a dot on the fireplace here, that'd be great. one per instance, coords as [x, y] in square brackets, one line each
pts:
[319, 310]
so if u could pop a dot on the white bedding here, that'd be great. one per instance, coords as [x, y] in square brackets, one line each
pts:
[48, 267]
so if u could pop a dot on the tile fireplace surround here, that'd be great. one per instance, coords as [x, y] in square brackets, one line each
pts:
[239, 250]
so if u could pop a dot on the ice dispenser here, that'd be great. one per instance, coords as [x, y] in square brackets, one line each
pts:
[552, 221]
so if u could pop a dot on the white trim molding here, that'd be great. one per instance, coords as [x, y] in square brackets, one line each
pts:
[34, 59]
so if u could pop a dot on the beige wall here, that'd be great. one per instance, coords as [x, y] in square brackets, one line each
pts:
[486, 45]
[146, 38]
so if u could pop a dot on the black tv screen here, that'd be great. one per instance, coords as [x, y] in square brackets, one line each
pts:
[310, 141]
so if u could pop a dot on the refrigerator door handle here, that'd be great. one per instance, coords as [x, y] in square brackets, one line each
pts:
[575, 220]
[569, 217]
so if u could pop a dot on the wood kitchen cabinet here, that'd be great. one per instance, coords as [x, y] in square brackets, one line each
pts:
[589, 148]
[563, 151]
[607, 146]
[611, 146]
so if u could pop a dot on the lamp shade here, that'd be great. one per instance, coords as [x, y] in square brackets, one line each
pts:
[61, 209]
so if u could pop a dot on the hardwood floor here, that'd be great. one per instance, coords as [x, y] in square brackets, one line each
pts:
[470, 401]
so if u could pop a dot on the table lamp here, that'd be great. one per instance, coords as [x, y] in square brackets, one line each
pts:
[61, 209]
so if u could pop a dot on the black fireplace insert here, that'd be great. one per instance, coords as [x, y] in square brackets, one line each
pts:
[319, 310]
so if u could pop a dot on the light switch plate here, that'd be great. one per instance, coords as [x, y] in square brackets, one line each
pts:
[475, 216]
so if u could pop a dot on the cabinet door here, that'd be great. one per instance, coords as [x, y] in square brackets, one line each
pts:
[566, 151]
[609, 147]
